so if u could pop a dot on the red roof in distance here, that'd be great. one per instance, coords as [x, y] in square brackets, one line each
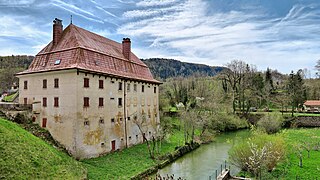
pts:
[82, 49]
[312, 103]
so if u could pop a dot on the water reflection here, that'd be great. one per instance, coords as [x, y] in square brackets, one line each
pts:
[203, 162]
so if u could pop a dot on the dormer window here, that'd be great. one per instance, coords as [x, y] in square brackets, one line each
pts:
[57, 62]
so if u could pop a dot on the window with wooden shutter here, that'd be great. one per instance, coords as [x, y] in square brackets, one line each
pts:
[85, 102]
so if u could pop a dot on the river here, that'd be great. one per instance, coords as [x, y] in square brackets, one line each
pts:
[204, 161]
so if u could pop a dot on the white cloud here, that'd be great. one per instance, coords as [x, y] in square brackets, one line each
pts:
[148, 3]
[191, 34]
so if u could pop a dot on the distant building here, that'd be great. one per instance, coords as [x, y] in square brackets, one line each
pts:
[87, 90]
[312, 105]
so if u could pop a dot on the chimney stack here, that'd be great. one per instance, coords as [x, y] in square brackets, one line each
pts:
[126, 48]
[57, 30]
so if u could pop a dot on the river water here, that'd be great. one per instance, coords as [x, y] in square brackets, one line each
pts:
[204, 161]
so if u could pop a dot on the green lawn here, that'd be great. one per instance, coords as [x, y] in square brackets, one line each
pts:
[24, 156]
[289, 169]
[10, 98]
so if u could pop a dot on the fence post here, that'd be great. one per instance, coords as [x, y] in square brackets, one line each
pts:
[221, 169]
[225, 164]
[216, 173]
[209, 177]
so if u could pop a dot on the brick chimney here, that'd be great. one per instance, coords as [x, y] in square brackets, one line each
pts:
[57, 30]
[126, 48]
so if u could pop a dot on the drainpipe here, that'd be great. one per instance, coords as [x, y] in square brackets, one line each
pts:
[124, 112]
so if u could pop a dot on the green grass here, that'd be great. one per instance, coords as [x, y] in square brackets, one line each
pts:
[24, 156]
[289, 169]
[10, 98]
[132, 161]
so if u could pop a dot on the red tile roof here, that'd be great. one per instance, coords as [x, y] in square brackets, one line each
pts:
[82, 49]
[312, 103]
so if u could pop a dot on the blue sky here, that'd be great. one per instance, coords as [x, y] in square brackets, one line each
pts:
[280, 34]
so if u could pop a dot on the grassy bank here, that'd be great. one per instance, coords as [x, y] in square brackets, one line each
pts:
[298, 139]
[24, 156]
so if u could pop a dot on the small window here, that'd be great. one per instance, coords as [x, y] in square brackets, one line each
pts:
[44, 122]
[56, 83]
[57, 62]
[112, 120]
[101, 121]
[86, 82]
[148, 86]
[25, 85]
[128, 87]
[120, 86]
[111, 98]
[121, 119]
[100, 84]
[142, 88]
[25, 100]
[112, 82]
[44, 102]
[154, 89]
[137, 136]
[135, 87]
[86, 123]
[129, 137]
[44, 84]
[100, 101]
[119, 101]
[85, 102]
[128, 118]
[56, 102]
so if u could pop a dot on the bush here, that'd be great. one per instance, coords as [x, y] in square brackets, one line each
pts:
[224, 121]
[271, 123]
[260, 152]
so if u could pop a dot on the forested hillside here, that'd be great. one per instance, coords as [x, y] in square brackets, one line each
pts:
[165, 68]
[10, 65]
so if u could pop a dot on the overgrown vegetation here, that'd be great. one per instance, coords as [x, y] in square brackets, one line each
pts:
[271, 123]
[261, 152]
[24, 156]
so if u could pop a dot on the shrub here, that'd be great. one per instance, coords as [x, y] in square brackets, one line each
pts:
[260, 152]
[271, 123]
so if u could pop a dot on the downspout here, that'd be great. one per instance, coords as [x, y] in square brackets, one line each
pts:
[124, 112]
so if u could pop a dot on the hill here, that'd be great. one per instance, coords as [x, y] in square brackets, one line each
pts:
[24, 156]
[167, 68]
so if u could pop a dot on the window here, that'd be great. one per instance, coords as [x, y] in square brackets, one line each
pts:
[44, 122]
[25, 100]
[57, 62]
[44, 102]
[100, 102]
[129, 137]
[128, 87]
[120, 86]
[154, 89]
[85, 102]
[112, 120]
[86, 123]
[111, 98]
[101, 121]
[119, 101]
[135, 87]
[112, 82]
[56, 102]
[137, 136]
[56, 83]
[86, 82]
[128, 118]
[25, 85]
[142, 88]
[44, 84]
[100, 84]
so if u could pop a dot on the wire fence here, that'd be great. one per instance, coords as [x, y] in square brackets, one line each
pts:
[219, 171]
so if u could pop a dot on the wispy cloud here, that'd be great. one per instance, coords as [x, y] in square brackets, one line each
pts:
[148, 3]
[193, 34]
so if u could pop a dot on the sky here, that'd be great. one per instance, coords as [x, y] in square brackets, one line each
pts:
[279, 34]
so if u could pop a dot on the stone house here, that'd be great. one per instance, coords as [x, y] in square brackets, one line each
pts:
[90, 92]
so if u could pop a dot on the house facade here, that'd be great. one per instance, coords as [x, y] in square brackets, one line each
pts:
[91, 93]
